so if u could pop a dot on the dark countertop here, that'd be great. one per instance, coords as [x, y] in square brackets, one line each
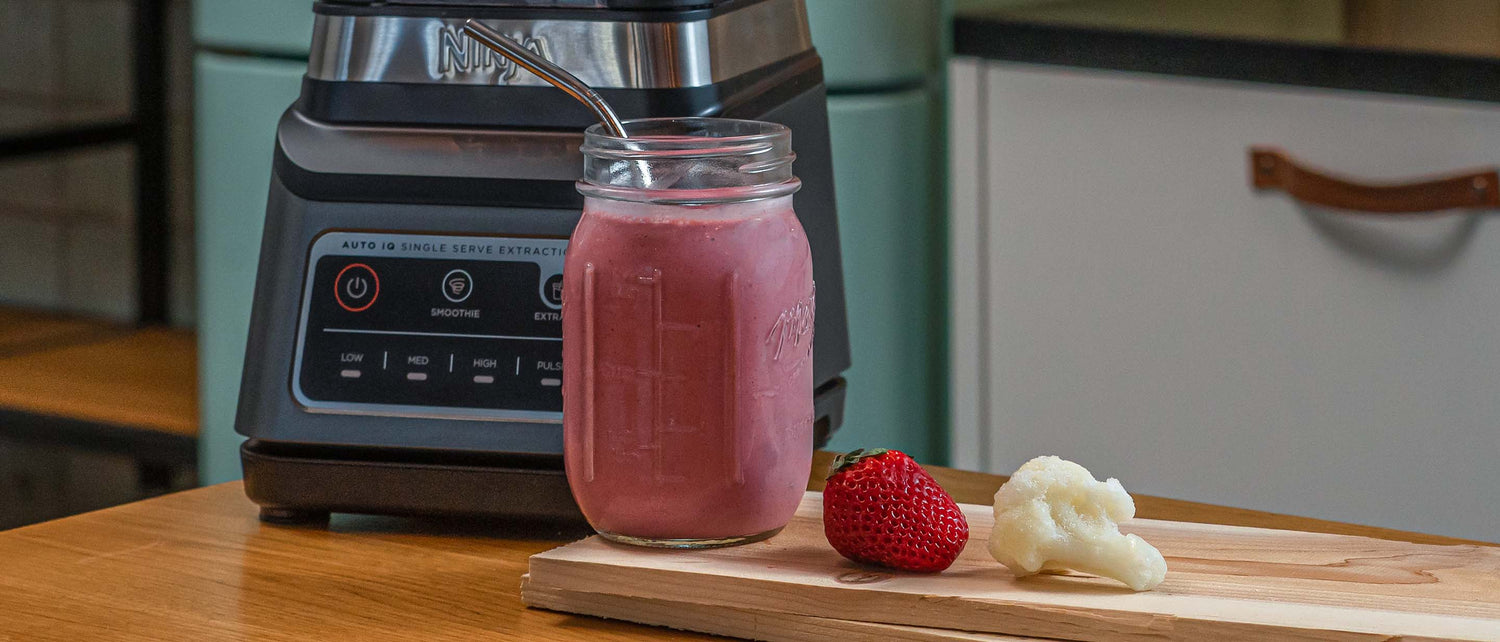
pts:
[1285, 63]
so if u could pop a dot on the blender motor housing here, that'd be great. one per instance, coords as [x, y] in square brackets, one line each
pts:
[404, 354]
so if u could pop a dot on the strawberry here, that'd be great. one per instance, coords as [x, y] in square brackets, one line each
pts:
[880, 507]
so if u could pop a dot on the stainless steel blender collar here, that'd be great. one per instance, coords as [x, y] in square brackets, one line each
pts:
[605, 54]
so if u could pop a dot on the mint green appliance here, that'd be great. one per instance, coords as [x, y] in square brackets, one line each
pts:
[247, 69]
[883, 109]
[883, 60]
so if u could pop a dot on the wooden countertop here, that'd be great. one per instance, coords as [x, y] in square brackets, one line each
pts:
[197, 565]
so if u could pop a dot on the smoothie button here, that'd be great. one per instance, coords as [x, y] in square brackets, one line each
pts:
[457, 285]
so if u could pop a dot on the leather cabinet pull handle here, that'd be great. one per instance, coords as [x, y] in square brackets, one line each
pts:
[1273, 169]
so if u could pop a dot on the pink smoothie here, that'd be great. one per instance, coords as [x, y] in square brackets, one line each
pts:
[687, 376]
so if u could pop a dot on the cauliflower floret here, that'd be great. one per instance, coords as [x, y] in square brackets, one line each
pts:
[1053, 514]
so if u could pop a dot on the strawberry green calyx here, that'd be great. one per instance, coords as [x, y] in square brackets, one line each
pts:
[853, 457]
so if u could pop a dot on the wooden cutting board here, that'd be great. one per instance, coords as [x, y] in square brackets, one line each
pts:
[737, 622]
[1223, 583]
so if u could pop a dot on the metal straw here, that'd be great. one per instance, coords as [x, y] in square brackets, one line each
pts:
[547, 71]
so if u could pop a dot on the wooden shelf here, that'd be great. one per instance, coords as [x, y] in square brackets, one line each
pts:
[27, 331]
[142, 379]
[99, 387]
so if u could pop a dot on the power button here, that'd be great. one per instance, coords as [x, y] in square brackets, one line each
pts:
[356, 287]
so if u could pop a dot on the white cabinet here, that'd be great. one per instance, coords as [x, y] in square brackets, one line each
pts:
[1122, 297]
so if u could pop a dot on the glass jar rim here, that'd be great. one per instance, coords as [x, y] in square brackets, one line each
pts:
[768, 130]
[689, 196]
[689, 160]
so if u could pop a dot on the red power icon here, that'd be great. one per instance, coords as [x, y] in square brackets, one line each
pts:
[357, 287]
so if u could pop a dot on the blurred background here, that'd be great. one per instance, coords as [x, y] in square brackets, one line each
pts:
[1050, 245]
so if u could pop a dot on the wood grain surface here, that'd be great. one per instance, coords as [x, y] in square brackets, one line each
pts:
[144, 379]
[1223, 583]
[197, 565]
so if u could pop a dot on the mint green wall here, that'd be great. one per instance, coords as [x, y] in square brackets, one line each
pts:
[238, 101]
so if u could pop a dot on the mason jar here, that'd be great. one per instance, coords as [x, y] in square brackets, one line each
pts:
[688, 305]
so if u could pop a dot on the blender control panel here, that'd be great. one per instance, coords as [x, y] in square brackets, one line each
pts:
[432, 326]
